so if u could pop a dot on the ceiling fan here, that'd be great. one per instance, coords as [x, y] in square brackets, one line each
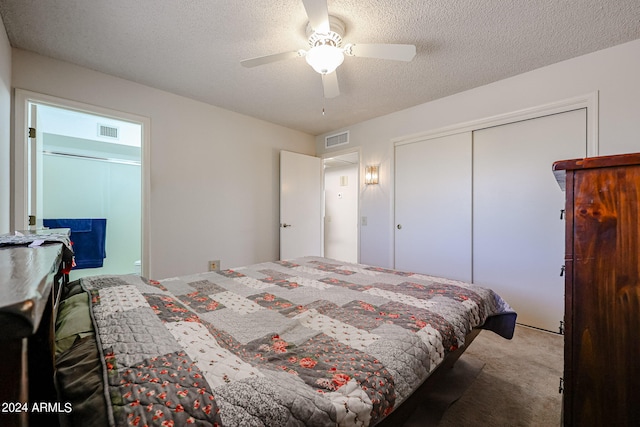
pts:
[326, 52]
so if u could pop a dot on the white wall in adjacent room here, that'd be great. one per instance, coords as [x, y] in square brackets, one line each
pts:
[341, 213]
[99, 189]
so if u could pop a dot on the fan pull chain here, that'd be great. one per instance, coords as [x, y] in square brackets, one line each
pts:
[323, 97]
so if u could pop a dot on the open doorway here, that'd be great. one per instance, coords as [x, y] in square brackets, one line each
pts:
[341, 194]
[83, 162]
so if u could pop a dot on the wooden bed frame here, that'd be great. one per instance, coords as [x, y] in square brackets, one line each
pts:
[402, 413]
[29, 352]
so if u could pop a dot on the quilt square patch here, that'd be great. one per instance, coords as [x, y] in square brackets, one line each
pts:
[218, 365]
[388, 271]
[287, 264]
[230, 273]
[328, 366]
[206, 287]
[116, 299]
[253, 283]
[165, 389]
[237, 303]
[274, 274]
[169, 309]
[283, 283]
[200, 303]
[332, 268]
[271, 301]
[339, 282]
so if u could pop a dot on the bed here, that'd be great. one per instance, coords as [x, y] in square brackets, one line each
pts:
[309, 341]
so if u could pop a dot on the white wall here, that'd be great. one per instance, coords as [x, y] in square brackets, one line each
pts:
[5, 126]
[214, 173]
[614, 73]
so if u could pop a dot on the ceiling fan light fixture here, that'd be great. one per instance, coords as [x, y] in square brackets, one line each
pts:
[325, 58]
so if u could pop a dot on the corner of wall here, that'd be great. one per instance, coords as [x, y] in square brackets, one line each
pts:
[5, 130]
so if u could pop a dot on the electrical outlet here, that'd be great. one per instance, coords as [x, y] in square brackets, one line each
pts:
[214, 265]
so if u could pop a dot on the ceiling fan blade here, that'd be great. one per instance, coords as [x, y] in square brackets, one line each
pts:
[330, 85]
[261, 60]
[318, 15]
[395, 52]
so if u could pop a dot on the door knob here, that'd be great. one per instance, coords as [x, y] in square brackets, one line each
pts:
[399, 226]
[286, 225]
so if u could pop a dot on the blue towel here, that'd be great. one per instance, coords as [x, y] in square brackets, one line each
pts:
[88, 237]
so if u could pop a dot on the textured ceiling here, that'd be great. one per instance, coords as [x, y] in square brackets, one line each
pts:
[194, 48]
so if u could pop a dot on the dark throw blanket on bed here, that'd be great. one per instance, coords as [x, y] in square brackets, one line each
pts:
[303, 342]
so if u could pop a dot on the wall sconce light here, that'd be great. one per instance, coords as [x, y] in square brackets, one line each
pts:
[371, 174]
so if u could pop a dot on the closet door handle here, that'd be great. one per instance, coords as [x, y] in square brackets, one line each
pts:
[399, 226]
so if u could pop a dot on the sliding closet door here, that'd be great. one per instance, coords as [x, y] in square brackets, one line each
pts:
[433, 206]
[518, 236]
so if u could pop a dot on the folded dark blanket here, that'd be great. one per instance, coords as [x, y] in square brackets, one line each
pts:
[88, 236]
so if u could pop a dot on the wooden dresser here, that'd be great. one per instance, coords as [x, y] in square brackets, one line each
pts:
[30, 283]
[602, 290]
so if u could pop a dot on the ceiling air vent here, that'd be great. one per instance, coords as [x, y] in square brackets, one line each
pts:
[336, 140]
[106, 131]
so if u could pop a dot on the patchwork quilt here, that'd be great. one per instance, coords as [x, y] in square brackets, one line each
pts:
[310, 341]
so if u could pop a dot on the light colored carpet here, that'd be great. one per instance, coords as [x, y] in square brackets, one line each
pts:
[499, 382]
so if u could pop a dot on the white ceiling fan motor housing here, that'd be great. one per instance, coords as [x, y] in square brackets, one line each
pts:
[333, 38]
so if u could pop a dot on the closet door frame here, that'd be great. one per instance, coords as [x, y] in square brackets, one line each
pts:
[588, 101]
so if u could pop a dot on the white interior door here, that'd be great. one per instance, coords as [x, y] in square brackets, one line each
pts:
[300, 205]
[433, 207]
[518, 236]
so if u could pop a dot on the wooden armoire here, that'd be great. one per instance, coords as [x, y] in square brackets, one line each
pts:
[602, 290]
